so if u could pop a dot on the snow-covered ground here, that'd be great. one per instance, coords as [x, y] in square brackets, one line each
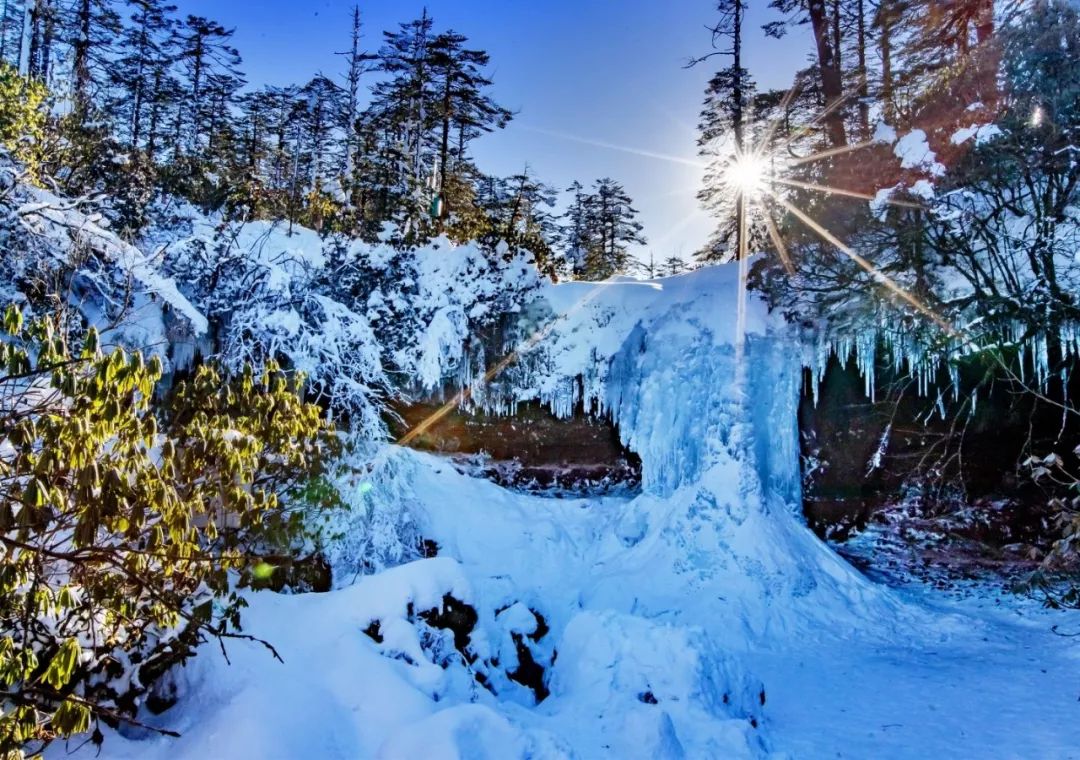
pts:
[699, 619]
[869, 675]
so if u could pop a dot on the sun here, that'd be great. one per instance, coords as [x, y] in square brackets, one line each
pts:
[746, 174]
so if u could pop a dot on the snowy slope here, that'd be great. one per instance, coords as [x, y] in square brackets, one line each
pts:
[699, 619]
[113, 285]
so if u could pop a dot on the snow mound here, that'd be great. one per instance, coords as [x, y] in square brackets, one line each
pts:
[656, 690]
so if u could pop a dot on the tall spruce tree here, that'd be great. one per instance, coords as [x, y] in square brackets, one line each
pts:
[211, 77]
[462, 110]
[90, 29]
[577, 231]
[357, 63]
[722, 137]
[146, 47]
[613, 229]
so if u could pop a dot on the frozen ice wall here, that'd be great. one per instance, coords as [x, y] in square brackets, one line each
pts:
[659, 357]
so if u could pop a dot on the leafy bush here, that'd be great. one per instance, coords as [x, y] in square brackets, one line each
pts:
[22, 118]
[123, 541]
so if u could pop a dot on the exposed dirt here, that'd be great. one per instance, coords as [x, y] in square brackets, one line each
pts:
[531, 450]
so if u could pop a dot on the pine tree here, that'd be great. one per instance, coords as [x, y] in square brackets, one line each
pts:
[673, 265]
[461, 104]
[357, 64]
[319, 107]
[527, 221]
[146, 44]
[722, 138]
[576, 232]
[613, 229]
[90, 29]
[212, 77]
[402, 101]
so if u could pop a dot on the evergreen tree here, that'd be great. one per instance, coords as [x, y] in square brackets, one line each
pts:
[723, 127]
[146, 46]
[211, 78]
[673, 265]
[357, 63]
[461, 110]
[402, 102]
[577, 232]
[90, 30]
[319, 107]
[526, 219]
[613, 229]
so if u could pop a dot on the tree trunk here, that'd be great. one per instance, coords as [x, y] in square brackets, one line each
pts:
[27, 42]
[81, 59]
[884, 23]
[864, 86]
[837, 35]
[196, 92]
[737, 97]
[155, 115]
[984, 23]
[48, 20]
[831, 81]
[444, 145]
[138, 88]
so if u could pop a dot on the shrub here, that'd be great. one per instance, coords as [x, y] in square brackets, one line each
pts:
[123, 541]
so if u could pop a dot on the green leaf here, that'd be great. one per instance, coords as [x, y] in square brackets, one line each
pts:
[13, 320]
[71, 718]
[62, 666]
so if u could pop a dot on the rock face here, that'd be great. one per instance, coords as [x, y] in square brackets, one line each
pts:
[532, 449]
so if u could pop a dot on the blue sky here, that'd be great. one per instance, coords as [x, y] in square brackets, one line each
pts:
[582, 74]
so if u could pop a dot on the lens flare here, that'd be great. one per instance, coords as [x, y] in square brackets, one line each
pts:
[746, 174]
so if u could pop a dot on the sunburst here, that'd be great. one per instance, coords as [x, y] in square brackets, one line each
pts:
[753, 177]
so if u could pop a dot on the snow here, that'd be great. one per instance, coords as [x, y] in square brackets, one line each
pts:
[699, 618]
[659, 357]
[914, 152]
[50, 216]
[883, 133]
[910, 679]
[982, 133]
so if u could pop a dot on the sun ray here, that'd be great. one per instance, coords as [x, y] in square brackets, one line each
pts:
[825, 112]
[874, 272]
[778, 241]
[771, 129]
[740, 329]
[678, 227]
[615, 146]
[829, 189]
[822, 154]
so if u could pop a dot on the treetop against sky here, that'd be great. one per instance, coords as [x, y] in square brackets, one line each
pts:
[600, 87]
